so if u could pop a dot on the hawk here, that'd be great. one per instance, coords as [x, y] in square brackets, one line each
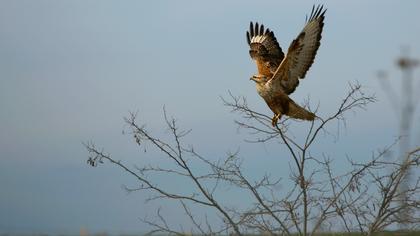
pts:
[278, 75]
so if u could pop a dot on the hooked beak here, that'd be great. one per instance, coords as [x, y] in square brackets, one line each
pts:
[253, 78]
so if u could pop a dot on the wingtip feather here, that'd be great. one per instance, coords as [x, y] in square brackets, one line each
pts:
[316, 12]
[256, 28]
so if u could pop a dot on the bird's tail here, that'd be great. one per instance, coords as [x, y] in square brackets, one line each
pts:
[298, 112]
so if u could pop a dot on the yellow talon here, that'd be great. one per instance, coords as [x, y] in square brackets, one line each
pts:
[275, 119]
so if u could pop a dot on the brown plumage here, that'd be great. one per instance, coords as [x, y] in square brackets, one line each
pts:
[278, 75]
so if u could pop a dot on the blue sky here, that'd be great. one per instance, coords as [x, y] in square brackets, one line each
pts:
[71, 70]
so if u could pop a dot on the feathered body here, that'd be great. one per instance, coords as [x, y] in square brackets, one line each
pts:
[278, 75]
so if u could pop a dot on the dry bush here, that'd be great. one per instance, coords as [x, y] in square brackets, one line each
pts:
[364, 199]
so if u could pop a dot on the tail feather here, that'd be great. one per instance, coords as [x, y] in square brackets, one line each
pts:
[298, 112]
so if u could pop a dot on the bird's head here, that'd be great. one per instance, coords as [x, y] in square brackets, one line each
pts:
[259, 79]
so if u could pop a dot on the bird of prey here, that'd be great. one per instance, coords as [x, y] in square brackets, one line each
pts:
[278, 75]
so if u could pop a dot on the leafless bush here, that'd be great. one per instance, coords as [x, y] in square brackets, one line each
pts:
[364, 199]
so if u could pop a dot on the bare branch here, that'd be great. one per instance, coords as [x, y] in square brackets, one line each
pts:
[365, 198]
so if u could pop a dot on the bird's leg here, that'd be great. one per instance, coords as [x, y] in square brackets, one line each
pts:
[275, 119]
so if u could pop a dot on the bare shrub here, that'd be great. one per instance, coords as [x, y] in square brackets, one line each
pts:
[364, 199]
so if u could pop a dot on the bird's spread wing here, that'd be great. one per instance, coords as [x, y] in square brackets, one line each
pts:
[264, 49]
[301, 53]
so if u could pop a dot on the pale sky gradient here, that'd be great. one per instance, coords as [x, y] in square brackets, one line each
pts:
[71, 70]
